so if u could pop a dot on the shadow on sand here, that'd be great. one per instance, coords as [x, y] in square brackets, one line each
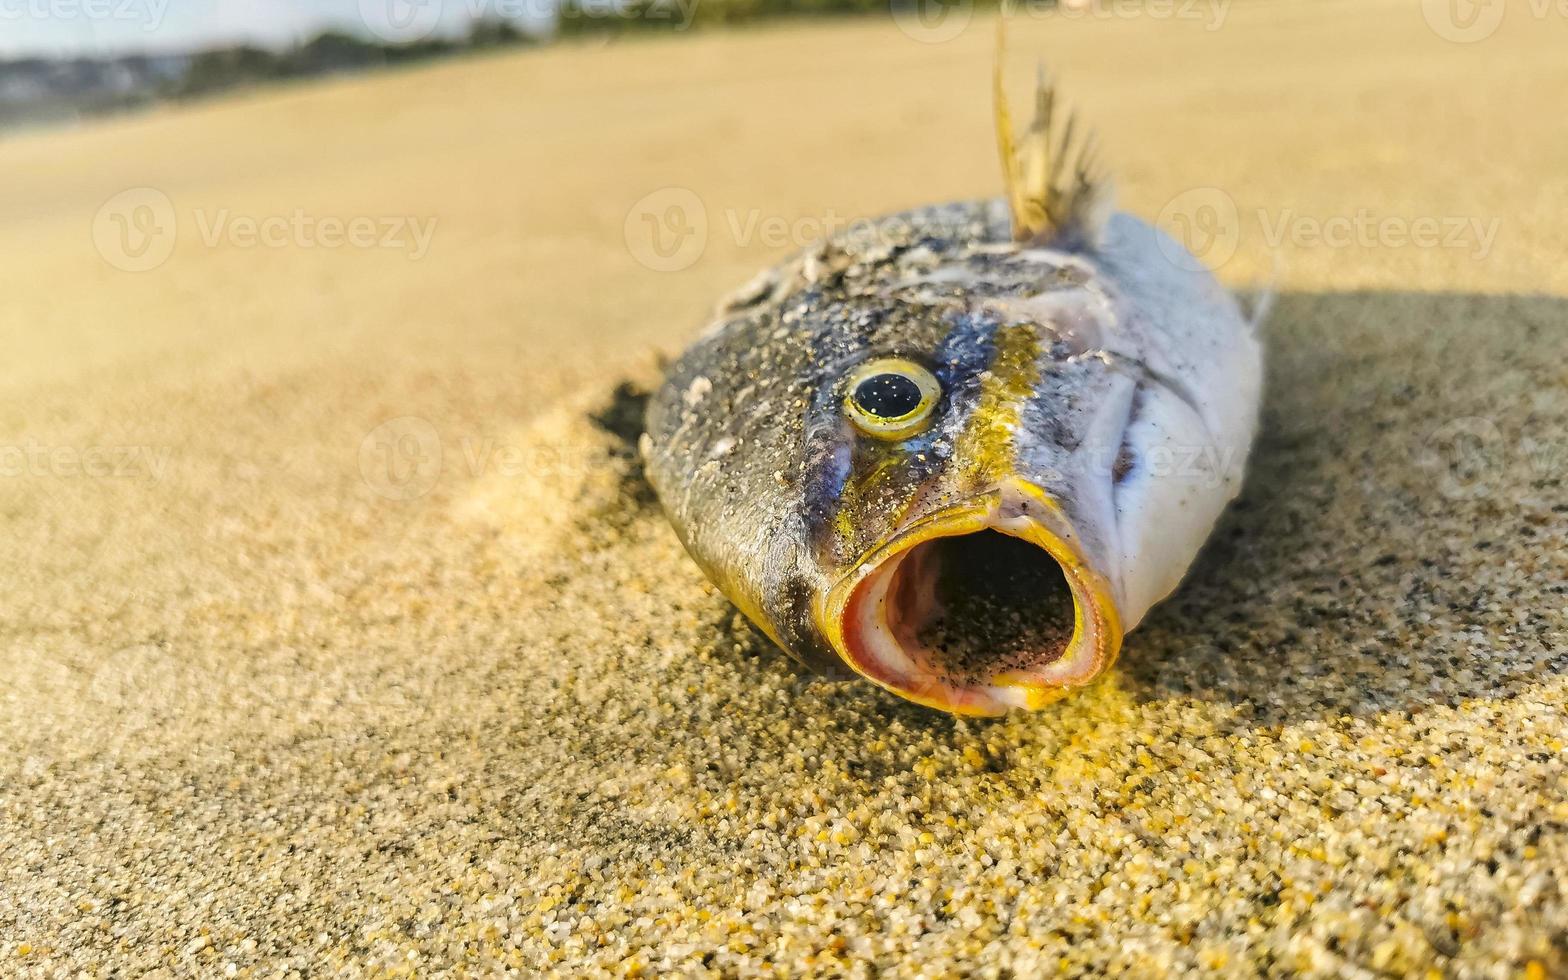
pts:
[1400, 539]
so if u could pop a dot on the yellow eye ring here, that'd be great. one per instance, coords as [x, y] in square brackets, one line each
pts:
[890, 397]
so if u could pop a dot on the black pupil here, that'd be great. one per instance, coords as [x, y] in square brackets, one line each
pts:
[888, 396]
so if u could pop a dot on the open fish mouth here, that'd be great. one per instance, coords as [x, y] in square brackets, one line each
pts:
[978, 609]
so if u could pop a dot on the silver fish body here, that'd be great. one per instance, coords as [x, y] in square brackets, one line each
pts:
[1091, 402]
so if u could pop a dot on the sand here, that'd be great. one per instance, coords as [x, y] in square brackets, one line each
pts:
[339, 633]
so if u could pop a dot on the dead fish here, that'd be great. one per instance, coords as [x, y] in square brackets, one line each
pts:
[960, 451]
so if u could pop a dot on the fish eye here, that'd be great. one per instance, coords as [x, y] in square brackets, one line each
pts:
[891, 398]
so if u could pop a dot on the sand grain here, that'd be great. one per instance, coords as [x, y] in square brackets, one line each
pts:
[271, 705]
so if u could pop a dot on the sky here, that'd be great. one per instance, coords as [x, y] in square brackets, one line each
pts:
[94, 27]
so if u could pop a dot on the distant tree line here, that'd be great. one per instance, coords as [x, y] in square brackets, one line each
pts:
[580, 17]
[327, 53]
[36, 90]
[336, 51]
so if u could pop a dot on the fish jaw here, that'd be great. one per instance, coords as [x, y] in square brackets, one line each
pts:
[873, 615]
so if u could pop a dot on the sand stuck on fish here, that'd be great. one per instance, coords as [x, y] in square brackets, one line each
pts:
[1003, 603]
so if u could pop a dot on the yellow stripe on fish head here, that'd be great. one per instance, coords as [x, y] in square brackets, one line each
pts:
[891, 481]
[987, 450]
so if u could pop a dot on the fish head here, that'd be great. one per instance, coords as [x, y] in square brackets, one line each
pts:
[936, 454]
[924, 461]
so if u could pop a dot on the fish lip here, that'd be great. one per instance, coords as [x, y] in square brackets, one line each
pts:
[1015, 507]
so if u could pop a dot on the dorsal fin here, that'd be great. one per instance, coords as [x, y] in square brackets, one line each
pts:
[1055, 188]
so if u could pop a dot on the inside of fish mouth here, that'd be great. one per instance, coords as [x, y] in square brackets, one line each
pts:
[972, 606]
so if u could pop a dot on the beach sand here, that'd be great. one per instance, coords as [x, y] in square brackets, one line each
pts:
[340, 632]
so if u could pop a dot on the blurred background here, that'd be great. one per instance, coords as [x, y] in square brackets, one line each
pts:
[63, 59]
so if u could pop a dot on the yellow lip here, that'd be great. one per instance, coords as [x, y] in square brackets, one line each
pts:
[1097, 632]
